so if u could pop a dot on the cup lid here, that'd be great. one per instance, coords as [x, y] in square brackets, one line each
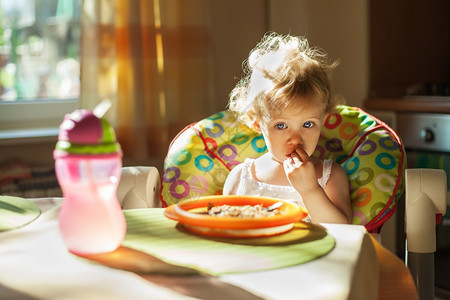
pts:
[83, 133]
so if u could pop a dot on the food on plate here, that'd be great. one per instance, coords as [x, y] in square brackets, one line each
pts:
[241, 211]
[223, 216]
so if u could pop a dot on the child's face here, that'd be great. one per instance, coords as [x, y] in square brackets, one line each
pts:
[297, 126]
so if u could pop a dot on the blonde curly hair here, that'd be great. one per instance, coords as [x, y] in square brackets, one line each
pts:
[279, 69]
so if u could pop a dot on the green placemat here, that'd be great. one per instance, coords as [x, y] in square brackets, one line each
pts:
[150, 232]
[16, 212]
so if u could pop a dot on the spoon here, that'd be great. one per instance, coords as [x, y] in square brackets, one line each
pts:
[274, 206]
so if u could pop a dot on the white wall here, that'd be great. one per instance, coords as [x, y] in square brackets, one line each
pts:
[341, 28]
[237, 27]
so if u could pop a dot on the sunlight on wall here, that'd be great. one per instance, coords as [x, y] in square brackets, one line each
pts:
[160, 59]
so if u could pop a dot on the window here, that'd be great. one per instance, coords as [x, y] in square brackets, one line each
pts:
[39, 65]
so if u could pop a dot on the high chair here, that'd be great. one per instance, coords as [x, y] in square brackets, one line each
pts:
[201, 156]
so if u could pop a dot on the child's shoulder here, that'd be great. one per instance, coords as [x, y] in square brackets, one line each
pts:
[240, 168]
[327, 166]
[337, 172]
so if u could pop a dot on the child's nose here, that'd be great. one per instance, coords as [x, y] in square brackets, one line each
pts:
[295, 138]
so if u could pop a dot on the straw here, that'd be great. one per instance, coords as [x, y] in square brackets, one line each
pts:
[101, 108]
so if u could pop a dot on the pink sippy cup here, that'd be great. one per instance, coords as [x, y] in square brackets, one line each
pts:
[88, 162]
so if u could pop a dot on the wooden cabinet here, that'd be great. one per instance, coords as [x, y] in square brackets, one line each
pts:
[409, 42]
[409, 46]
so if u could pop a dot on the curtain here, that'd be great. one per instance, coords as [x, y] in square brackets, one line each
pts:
[152, 60]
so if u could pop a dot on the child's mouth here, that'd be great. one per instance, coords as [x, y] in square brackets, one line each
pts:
[290, 153]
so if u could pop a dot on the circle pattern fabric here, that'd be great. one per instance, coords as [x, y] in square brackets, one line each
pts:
[202, 155]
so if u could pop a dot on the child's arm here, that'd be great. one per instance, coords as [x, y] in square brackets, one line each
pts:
[329, 205]
[338, 191]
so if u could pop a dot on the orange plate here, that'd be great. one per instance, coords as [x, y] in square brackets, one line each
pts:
[181, 212]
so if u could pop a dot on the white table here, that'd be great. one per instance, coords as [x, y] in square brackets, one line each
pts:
[34, 264]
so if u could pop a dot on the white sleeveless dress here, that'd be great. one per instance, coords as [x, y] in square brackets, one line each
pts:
[250, 186]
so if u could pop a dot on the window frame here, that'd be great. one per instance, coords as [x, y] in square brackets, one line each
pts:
[26, 121]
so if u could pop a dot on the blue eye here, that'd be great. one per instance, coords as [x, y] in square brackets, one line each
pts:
[280, 126]
[308, 124]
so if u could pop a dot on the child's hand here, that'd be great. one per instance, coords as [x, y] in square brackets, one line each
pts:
[300, 171]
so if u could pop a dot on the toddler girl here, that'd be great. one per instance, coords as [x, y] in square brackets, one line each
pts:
[285, 95]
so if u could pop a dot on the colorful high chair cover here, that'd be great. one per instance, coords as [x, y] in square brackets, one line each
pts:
[201, 156]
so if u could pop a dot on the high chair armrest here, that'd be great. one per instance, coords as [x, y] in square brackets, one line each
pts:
[426, 191]
[426, 196]
[139, 187]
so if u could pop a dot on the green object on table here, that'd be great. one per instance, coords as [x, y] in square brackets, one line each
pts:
[16, 212]
[150, 232]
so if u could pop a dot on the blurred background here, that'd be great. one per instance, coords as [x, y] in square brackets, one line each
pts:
[163, 64]
[166, 64]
